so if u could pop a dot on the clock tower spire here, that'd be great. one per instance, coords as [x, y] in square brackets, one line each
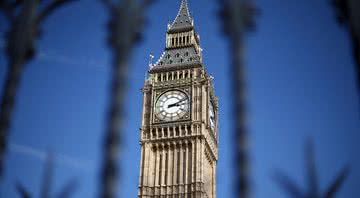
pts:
[179, 133]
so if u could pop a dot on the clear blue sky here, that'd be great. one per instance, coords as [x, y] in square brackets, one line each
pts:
[301, 84]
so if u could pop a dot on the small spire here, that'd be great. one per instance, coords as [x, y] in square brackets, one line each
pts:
[183, 18]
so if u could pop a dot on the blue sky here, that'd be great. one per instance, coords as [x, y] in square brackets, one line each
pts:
[300, 84]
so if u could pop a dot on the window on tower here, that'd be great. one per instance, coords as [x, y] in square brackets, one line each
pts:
[171, 132]
[189, 130]
[183, 131]
[154, 133]
[165, 132]
[177, 131]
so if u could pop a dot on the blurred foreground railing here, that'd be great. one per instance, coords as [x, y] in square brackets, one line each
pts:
[25, 19]
[313, 190]
[348, 14]
[238, 18]
[47, 183]
[124, 30]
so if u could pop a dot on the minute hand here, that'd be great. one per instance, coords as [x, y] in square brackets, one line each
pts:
[176, 104]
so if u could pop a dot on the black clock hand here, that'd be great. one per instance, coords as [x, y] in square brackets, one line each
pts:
[176, 104]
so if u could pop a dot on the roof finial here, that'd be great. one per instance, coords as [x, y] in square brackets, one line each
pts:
[151, 58]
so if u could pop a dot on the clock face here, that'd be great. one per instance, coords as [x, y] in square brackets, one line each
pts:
[172, 105]
[211, 115]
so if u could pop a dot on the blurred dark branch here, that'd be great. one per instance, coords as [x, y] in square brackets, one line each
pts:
[47, 183]
[22, 191]
[342, 10]
[20, 49]
[348, 14]
[68, 189]
[238, 18]
[48, 177]
[311, 170]
[6, 8]
[338, 182]
[313, 185]
[288, 185]
[55, 4]
[125, 26]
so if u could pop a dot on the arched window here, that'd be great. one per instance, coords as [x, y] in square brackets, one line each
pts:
[172, 41]
[186, 53]
[188, 39]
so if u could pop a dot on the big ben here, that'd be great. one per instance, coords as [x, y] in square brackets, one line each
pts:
[179, 128]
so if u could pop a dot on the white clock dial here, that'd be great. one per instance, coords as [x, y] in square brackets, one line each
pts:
[211, 115]
[172, 105]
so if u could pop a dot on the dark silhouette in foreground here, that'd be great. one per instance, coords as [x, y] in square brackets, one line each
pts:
[25, 19]
[312, 186]
[47, 183]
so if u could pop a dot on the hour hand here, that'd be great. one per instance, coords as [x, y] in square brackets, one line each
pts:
[176, 104]
[172, 105]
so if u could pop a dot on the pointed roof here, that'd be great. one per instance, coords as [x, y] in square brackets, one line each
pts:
[183, 19]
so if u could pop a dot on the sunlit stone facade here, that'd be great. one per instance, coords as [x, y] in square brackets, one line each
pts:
[179, 129]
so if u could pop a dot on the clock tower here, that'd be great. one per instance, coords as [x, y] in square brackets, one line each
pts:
[179, 128]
